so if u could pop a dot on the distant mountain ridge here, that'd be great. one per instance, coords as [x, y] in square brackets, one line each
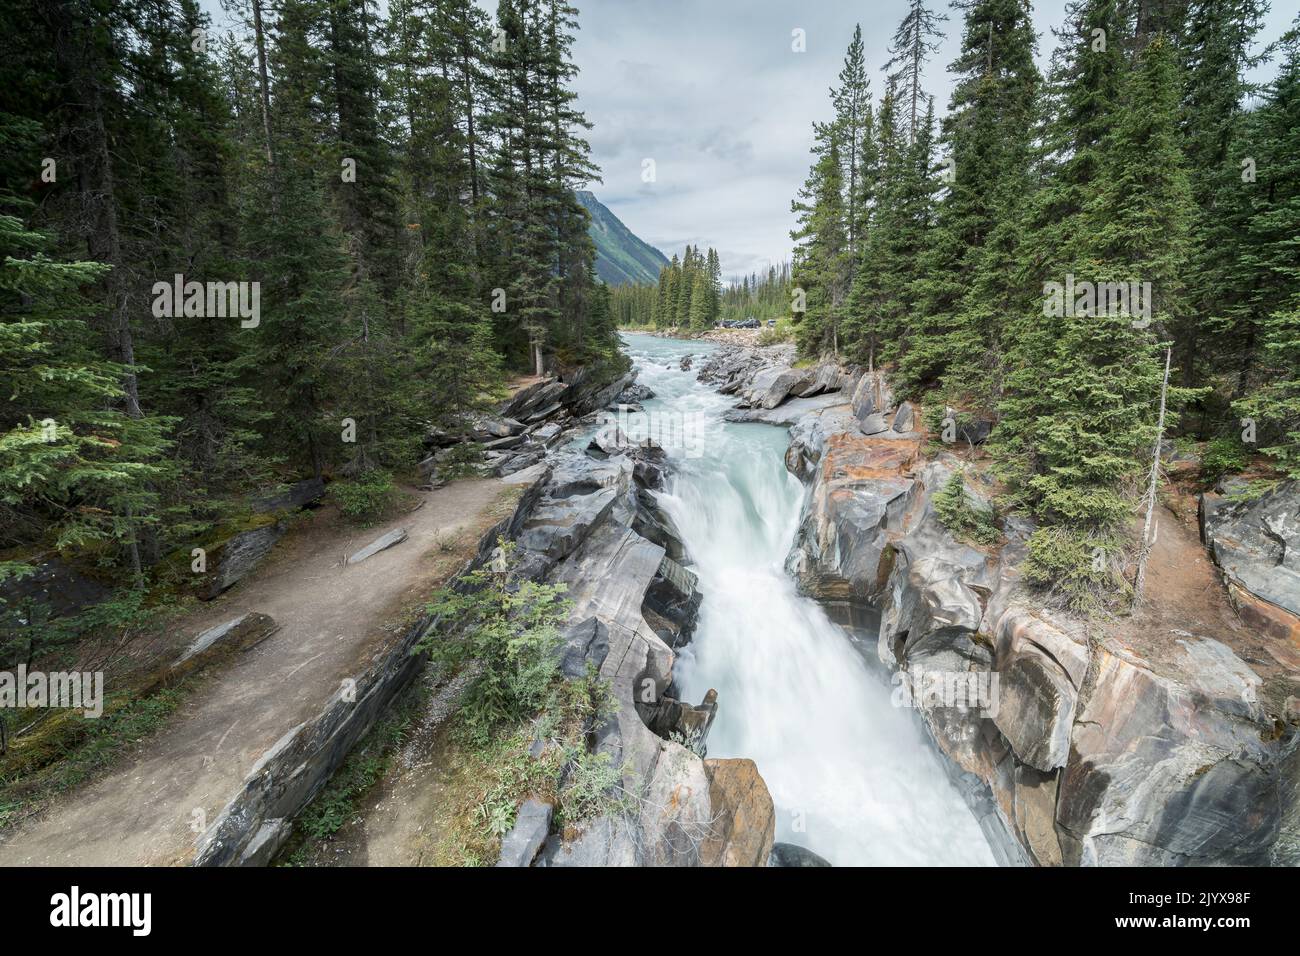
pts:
[622, 257]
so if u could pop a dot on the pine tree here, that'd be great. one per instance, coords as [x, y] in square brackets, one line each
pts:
[299, 258]
[1101, 372]
[1215, 56]
[77, 470]
[987, 132]
[1271, 303]
[917, 37]
[856, 137]
[821, 265]
[874, 309]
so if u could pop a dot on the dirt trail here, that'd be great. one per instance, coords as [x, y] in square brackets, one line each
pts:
[1185, 598]
[332, 616]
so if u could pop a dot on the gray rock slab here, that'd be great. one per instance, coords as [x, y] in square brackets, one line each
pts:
[382, 543]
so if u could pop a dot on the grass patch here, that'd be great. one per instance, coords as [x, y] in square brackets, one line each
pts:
[546, 757]
[363, 768]
[68, 749]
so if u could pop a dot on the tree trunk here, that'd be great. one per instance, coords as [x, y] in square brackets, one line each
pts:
[1147, 540]
[264, 95]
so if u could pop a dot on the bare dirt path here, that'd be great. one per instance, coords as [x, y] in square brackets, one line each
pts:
[1185, 598]
[332, 618]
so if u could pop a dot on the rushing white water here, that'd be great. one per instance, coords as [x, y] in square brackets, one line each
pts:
[854, 778]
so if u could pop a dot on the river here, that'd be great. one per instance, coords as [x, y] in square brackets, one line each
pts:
[854, 778]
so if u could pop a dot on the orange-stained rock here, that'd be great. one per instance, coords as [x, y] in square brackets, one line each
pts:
[744, 824]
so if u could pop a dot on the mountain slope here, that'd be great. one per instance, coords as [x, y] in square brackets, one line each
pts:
[621, 256]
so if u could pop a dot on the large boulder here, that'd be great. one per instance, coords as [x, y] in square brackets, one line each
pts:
[821, 378]
[744, 831]
[224, 640]
[634, 394]
[519, 847]
[233, 559]
[771, 386]
[295, 496]
[672, 603]
[1257, 544]
[486, 428]
[543, 393]
[733, 369]
[788, 413]
[792, 855]
[558, 525]
[860, 492]
[872, 396]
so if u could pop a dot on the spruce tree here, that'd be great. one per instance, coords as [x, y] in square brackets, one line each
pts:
[1089, 434]
[1271, 303]
[821, 263]
[987, 132]
[917, 37]
[855, 133]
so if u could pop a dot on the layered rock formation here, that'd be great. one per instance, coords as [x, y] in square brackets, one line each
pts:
[581, 523]
[1256, 541]
[527, 425]
[596, 530]
[1075, 744]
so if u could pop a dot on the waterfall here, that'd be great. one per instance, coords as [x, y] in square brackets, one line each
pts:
[854, 778]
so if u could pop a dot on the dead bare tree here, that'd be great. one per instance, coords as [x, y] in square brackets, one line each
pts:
[1145, 552]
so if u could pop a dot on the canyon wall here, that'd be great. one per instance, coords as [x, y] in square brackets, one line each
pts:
[1161, 739]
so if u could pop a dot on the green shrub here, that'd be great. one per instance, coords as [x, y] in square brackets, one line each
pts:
[1079, 569]
[1222, 456]
[508, 631]
[960, 516]
[593, 787]
[462, 461]
[366, 498]
[783, 331]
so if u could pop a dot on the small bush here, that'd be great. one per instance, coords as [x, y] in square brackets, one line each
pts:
[1079, 569]
[509, 629]
[592, 787]
[960, 516]
[783, 331]
[1222, 456]
[364, 499]
[463, 461]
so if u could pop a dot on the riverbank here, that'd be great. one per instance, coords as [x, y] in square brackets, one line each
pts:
[748, 338]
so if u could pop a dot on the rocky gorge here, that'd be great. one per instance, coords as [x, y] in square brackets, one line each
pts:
[1162, 740]
[587, 520]
[1165, 738]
